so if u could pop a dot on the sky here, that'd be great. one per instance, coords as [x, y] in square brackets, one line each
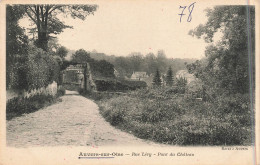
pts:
[121, 28]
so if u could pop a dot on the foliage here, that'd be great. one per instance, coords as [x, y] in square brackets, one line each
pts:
[169, 77]
[41, 69]
[138, 62]
[62, 52]
[101, 68]
[46, 20]
[181, 81]
[16, 47]
[37, 70]
[28, 67]
[61, 91]
[119, 85]
[162, 115]
[18, 106]
[80, 56]
[157, 78]
[229, 63]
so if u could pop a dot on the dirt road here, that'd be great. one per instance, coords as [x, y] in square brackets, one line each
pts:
[74, 121]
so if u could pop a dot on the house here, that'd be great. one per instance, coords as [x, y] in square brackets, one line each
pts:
[139, 76]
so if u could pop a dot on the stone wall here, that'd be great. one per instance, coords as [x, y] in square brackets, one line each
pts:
[51, 89]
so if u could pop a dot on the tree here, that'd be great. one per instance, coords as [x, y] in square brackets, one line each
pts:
[169, 77]
[53, 45]
[16, 47]
[161, 61]
[102, 68]
[62, 52]
[45, 17]
[81, 56]
[136, 60]
[230, 63]
[157, 78]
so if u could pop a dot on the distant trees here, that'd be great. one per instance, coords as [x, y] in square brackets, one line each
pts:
[157, 78]
[147, 63]
[169, 77]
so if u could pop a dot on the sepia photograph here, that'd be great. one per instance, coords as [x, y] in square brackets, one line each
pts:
[127, 74]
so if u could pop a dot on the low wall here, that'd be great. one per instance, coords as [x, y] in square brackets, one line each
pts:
[51, 89]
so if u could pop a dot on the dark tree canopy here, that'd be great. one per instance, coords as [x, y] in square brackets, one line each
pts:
[46, 20]
[16, 47]
[62, 52]
[16, 40]
[157, 78]
[169, 77]
[230, 62]
[81, 56]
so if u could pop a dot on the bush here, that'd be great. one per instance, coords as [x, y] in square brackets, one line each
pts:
[18, 106]
[33, 70]
[119, 85]
[61, 91]
[162, 115]
[42, 69]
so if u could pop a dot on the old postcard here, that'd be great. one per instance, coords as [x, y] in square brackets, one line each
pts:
[129, 82]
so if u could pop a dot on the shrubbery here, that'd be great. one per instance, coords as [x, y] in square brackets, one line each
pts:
[41, 69]
[35, 70]
[119, 85]
[18, 106]
[161, 115]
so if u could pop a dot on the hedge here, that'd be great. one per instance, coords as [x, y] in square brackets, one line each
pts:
[38, 69]
[119, 85]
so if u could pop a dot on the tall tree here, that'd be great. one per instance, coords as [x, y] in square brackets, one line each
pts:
[230, 62]
[45, 17]
[169, 77]
[16, 47]
[157, 78]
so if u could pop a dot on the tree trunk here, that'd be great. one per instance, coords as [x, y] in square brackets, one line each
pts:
[42, 41]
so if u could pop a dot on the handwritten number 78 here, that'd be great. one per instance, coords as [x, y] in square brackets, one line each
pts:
[190, 8]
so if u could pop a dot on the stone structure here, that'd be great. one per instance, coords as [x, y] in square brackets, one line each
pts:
[51, 89]
[79, 75]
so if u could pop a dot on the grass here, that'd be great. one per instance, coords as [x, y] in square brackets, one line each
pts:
[165, 116]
